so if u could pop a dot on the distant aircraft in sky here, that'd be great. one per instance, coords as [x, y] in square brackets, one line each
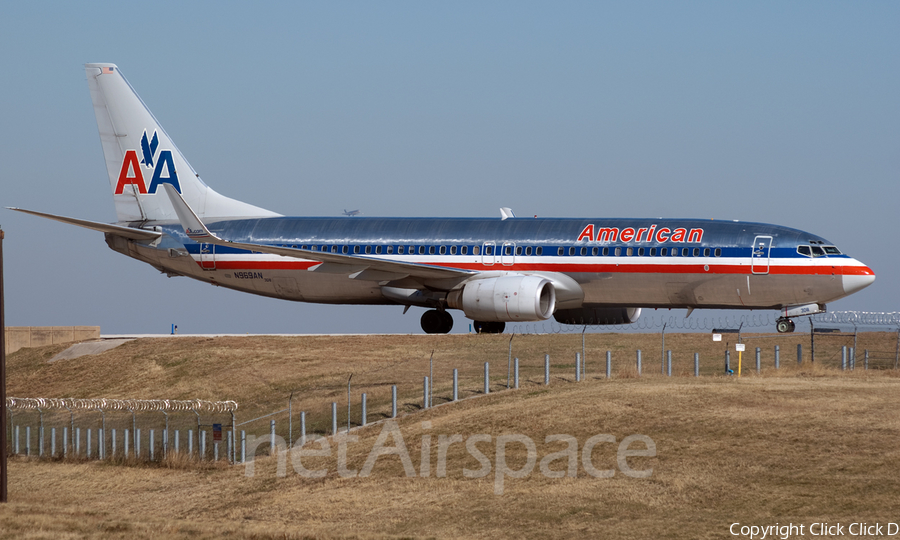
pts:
[577, 270]
[352, 213]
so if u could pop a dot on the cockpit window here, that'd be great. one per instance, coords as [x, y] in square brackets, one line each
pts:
[831, 250]
[817, 251]
[804, 250]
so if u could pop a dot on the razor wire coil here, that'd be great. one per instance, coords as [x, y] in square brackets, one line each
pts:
[133, 405]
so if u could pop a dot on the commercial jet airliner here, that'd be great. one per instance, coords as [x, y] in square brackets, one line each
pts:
[576, 270]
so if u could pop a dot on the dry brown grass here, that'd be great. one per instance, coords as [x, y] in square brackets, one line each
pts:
[803, 444]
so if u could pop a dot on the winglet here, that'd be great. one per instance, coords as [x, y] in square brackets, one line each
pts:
[506, 213]
[193, 227]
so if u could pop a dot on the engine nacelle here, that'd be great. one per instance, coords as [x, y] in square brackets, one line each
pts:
[588, 315]
[505, 299]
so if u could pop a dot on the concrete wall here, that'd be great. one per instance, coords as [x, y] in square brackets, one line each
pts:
[18, 337]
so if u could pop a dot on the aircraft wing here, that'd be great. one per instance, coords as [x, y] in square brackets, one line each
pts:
[127, 232]
[357, 267]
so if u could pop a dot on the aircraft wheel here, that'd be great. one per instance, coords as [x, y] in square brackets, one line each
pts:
[784, 326]
[436, 322]
[482, 327]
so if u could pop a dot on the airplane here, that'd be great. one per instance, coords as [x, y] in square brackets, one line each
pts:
[352, 213]
[588, 271]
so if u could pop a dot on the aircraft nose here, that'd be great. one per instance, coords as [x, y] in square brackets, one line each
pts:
[856, 278]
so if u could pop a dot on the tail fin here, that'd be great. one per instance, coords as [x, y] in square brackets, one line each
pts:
[140, 157]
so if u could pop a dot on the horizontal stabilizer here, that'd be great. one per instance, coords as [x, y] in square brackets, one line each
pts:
[118, 230]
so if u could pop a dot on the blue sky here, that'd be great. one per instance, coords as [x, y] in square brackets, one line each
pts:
[777, 112]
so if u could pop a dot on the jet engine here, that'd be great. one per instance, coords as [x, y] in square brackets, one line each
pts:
[511, 298]
[588, 315]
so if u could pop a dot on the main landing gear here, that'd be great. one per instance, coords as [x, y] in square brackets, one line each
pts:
[482, 327]
[784, 325]
[436, 322]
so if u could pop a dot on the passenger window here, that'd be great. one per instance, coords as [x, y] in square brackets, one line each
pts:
[640, 252]
[355, 249]
[334, 249]
[583, 251]
[508, 250]
[488, 250]
[696, 252]
[594, 251]
[368, 250]
[345, 249]
[528, 250]
[400, 250]
[706, 252]
[539, 250]
[431, 250]
[571, 251]
[452, 250]
[629, 252]
[618, 251]
[390, 249]
[605, 251]
[519, 250]
[443, 250]
[476, 250]
[463, 250]
[718, 252]
[562, 251]
[664, 251]
[652, 252]
[378, 250]
[685, 252]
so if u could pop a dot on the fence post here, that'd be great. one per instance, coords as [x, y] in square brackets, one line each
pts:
[455, 384]
[203, 444]
[757, 360]
[696, 364]
[777, 357]
[866, 359]
[363, 422]
[27, 440]
[152, 450]
[334, 418]
[272, 436]
[608, 364]
[577, 367]
[77, 442]
[487, 382]
[727, 362]
[639, 362]
[53, 442]
[425, 393]
[302, 428]
[844, 358]
[799, 354]
[137, 442]
[243, 446]
[112, 435]
[177, 440]
[88, 447]
[852, 358]
[65, 441]
[394, 401]
[669, 363]
[546, 369]
[190, 442]
[41, 441]
[516, 379]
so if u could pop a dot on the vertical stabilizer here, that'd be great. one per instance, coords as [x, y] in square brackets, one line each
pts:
[140, 157]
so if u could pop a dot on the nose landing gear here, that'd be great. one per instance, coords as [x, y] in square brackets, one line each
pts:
[784, 325]
[436, 322]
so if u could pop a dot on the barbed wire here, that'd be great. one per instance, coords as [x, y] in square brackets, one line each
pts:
[860, 318]
[134, 405]
[656, 322]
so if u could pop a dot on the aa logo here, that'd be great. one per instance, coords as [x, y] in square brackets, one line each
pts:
[163, 169]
